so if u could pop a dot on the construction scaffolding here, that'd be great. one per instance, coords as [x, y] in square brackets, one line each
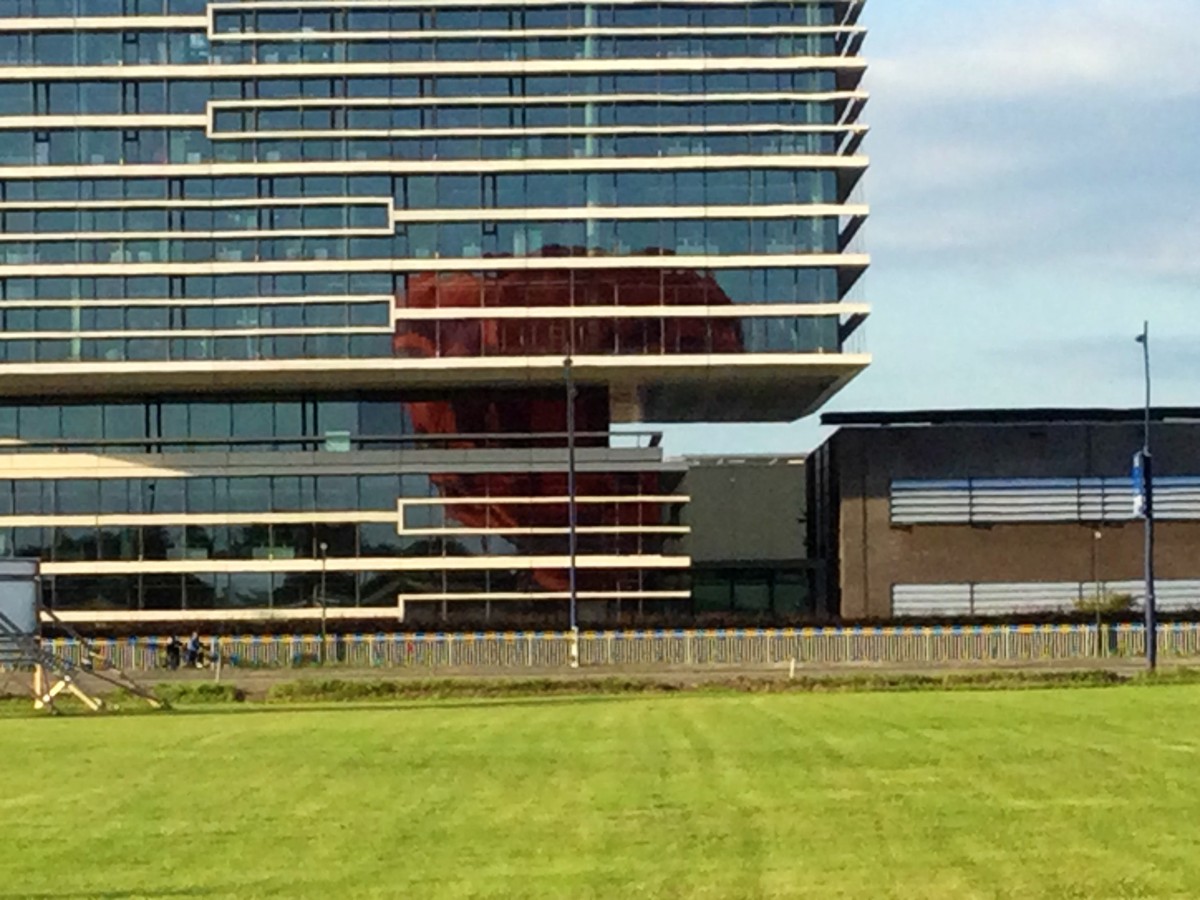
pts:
[22, 648]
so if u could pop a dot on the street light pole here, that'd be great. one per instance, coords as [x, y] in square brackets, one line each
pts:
[1147, 486]
[572, 542]
[1100, 593]
[324, 547]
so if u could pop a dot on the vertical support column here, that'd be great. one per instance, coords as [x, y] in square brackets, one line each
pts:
[572, 536]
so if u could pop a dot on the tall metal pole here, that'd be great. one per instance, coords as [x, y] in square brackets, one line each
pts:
[1099, 591]
[572, 545]
[1148, 511]
[324, 602]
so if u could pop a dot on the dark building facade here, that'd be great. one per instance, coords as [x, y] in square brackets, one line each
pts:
[999, 512]
[747, 538]
[287, 290]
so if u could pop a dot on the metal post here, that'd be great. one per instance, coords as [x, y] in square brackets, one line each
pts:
[1099, 596]
[571, 517]
[324, 547]
[1148, 512]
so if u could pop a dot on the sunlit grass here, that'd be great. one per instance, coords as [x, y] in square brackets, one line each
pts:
[1044, 794]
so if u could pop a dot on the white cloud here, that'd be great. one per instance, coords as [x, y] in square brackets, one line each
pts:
[1061, 133]
[1173, 251]
[1115, 47]
[931, 162]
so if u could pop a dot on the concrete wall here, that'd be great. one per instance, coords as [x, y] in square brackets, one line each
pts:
[871, 555]
[746, 511]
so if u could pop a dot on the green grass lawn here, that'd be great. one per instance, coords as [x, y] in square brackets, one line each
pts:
[1034, 794]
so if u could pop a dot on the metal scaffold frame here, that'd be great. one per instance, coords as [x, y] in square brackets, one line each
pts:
[22, 646]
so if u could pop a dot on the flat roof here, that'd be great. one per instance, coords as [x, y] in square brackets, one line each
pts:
[1035, 416]
[739, 459]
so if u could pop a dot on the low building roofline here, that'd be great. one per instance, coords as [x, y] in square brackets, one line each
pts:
[1034, 416]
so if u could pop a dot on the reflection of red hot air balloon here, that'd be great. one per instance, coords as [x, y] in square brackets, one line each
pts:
[540, 411]
[619, 334]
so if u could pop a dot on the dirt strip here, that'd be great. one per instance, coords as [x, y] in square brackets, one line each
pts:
[256, 682]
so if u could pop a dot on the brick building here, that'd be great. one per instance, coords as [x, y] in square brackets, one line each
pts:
[997, 512]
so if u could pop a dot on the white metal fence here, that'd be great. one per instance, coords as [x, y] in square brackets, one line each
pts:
[749, 648]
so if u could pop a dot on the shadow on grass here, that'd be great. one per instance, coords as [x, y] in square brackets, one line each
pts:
[226, 890]
[398, 705]
[333, 694]
[411, 705]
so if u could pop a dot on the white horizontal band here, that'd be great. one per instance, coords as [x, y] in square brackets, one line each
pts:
[697, 64]
[550, 131]
[366, 564]
[215, 7]
[534, 596]
[219, 463]
[545, 531]
[251, 203]
[258, 233]
[538, 100]
[802, 161]
[415, 313]
[81, 303]
[544, 214]
[503, 500]
[584, 213]
[103, 121]
[132, 520]
[476, 214]
[198, 334]
[25, 378]
[315, 613]
[519, 34]
[181, 121]
[616, 312]
[361, 517]
[106, 23]
[240, 614]
[494, 264]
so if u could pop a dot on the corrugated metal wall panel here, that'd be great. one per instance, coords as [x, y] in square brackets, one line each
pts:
[989, 500]
[941, 600]
[1014, 598]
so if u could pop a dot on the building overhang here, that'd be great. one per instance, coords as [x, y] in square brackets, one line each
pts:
[677, 388]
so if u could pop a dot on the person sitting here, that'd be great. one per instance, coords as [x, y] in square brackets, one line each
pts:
[193, 651]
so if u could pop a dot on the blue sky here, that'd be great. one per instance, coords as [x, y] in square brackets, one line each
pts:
[1035, 194]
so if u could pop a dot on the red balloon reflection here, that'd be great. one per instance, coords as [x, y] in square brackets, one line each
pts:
[540, 411]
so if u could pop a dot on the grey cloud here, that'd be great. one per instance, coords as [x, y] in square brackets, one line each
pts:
[1110, 46]
[1066, 135]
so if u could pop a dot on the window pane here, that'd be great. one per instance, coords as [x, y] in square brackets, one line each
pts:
[337, 492]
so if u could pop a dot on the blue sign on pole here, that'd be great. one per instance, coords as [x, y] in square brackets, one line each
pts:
[1139, 486]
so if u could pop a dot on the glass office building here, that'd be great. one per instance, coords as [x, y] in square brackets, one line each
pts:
[287, 290]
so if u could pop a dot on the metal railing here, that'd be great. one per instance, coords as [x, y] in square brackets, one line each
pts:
[743, 648]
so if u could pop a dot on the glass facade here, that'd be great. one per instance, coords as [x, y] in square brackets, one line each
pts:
[413, 212]
[449, 122]
[379, 420]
